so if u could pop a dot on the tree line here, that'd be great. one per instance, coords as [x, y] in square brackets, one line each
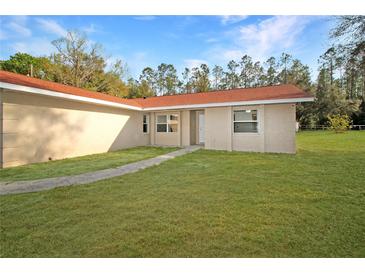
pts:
[245, 73]
[339, 87]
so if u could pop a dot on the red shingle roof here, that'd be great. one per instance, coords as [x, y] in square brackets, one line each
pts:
[225, 96]
[19, 79]
[222, 96]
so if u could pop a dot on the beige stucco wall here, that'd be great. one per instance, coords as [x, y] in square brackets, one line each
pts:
[37, 127]
[276, 131]
[185, 128]
[218, 128]
[166, 138]
[280, 128]
[250, 141]
[193, 127]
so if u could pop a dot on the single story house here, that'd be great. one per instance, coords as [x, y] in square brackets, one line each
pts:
[42, 120]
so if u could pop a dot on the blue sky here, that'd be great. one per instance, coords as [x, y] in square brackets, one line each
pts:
[184, 41]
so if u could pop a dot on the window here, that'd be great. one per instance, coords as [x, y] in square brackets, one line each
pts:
[161, 123]
[146, 121]
[167, 123]
[245, 121]
[173, 123]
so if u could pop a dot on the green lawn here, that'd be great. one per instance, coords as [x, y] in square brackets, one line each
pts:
[78, 165]
[205, 204]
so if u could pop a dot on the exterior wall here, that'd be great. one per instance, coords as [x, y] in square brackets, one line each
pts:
[36, 128]
[197, 125]
[152, 128]
[280, 126]
[167, 138]
[250, 141]
[276, 132]
[218, 128]
[193, 127]
[185, 128]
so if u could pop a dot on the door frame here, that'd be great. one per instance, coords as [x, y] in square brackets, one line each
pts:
[198, 127]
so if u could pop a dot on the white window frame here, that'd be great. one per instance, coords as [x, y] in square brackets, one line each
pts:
[147, 123]
[168, 122]
[247, 121]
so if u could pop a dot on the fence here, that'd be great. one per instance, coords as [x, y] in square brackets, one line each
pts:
[313, 128]
[358, 127]
[353, 127]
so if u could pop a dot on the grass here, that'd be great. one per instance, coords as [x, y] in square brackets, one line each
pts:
[205, 204]
[79, 165]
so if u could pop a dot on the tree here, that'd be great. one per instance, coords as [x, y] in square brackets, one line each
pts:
[119, 69]
[144, 90]
[200, 78]
[167, 80]
[186, 85]
[23, 63]
[111, 81]
[133, 91]
[339, 123]
[285, 60]
[218, 78]
[232, 78]
[331, 101]
[139, 90]
[172, 81]
[349, 40]
[257, 74]
[149, 77]
[271, 72]
[299, 75]
[359, 117]
[78, 59]
[330, 61]
[246, 71]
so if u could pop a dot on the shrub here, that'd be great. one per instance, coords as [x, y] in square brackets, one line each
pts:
[339, 123]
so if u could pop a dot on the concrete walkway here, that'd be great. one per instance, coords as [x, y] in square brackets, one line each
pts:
[90, 177]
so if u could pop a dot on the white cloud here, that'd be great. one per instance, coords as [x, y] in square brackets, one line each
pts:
[270, 36]
[137, 61]
[3, 35]
[192, 63]
[211, 40]
[36, 46]
[172, 35]
[232, 19]
[145, 17]
[19, 19]
[51, 26]
[19, 29]
[19, 47]
[16, 26]
[90, 29]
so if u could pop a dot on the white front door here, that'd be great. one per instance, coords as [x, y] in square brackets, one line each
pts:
[201, 128]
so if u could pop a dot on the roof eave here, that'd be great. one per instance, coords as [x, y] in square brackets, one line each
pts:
[66, 96]
[236, 103]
